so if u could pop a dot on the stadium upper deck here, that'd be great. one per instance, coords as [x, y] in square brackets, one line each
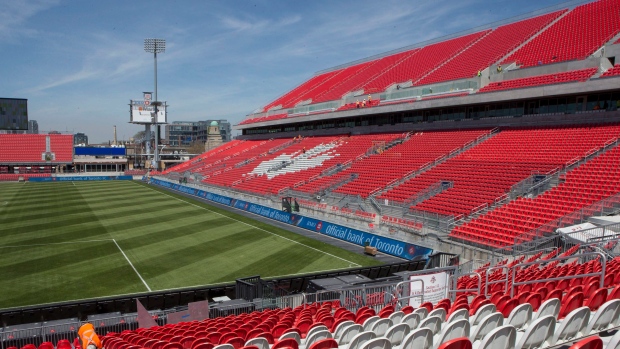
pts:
[563, 49]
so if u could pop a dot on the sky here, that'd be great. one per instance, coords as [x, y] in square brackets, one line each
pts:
[80, 62]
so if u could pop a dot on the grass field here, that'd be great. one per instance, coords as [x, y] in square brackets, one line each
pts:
[76, 240]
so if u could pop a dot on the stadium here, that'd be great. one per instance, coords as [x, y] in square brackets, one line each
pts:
[461, 192]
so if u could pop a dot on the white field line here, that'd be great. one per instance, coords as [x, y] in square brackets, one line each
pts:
[134, 268]
[255, 227]
[86, 241]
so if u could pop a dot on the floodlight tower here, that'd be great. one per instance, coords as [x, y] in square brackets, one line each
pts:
[155, 46]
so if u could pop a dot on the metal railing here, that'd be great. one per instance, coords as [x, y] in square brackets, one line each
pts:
[403, 300]
[535, 182]
[499, 281]
[333, 184]
[454, 281]
[566, 277]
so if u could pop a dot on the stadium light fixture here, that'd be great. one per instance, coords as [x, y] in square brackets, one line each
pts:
[155, 46]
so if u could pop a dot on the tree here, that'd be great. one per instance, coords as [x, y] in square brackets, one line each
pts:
[138, 136]
[196, 147]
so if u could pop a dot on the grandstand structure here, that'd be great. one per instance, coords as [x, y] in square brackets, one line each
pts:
[25, 156]
[480, 146]
[476, 141]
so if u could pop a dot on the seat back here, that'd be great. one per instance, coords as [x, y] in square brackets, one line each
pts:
[538, 334]
[535, 300]
[503, 337]
[432, 322]
[574, 325]
[315, 329]
[571, 303]
[326, 343]
[340, 328]
[456, 329]
[604, 317]
[509, 306]
[236, 342]
[441, 312]
[421, 338]
[360, 339]
[349, 333]
[397, 333]
[368, 322]
[482, 312]
[381, 326]
[288, 336]
[317, 336]
[422, 313]
[597, 298]
[377, 343]
[457, 343]
[487, 324]
[589, 343]
[549, 307]
[224, 346]
[396, 317]
[412, 320]
[261, 342]
[520, 316]
[458, 315]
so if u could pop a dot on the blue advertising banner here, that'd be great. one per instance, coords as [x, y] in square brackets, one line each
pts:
[92, 151]
[80, 178]
[383, 244]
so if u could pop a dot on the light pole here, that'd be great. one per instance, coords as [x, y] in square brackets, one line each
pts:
[155, 46]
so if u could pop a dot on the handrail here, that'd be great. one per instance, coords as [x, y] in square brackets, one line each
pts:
[486, 278]
[457, 290]
[399, 289]
[566, 277]
[478, 209]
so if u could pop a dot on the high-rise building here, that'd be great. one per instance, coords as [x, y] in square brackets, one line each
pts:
[33, 127]
[80, 138]
[184, 133]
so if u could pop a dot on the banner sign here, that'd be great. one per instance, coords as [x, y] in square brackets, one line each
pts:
[383, 244]
[179, 316]
[435, 288]
[80, 178]
[198, 311]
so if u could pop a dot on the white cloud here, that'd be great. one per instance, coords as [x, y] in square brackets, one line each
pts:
[256, 26]
[15, 14]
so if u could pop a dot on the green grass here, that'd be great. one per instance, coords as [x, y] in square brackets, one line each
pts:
[58, 242]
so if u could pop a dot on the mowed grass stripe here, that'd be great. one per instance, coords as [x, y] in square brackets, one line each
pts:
[77, 227]
[7, 192]
[87, 272]
[106, 212]
[311, 243]
[84, 227]
[172, 241]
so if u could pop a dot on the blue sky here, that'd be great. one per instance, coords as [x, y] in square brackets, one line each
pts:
[80, 62]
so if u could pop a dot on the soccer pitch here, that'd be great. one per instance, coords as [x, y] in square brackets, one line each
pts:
[76, 240]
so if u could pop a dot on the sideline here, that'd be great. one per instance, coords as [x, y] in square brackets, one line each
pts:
[134, 268]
